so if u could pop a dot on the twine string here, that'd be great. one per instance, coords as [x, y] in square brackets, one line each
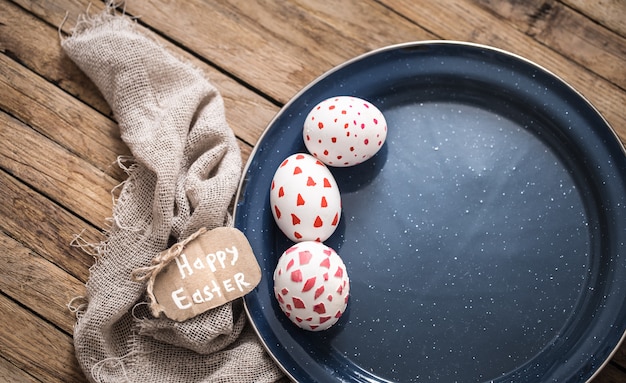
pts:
[158, 263]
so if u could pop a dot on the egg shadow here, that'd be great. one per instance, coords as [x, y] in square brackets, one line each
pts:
[352, 178]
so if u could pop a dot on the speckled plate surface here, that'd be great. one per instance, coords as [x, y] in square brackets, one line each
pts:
[486, 241]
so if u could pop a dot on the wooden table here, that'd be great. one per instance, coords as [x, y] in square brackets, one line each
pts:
[59, 142]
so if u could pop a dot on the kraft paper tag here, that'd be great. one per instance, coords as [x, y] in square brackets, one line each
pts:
[206, 270]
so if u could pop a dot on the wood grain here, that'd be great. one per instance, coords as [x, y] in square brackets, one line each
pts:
[620, 356]
[48, 229]
[563, 29]
[282, 37]
[37, 283]
[610, 374]
[76, 127]
[9, 373]
[59, 140]
[32, 43]
[35, 346]
[610, 13]
[65, 178]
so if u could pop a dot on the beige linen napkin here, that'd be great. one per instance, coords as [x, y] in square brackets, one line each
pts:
[185, 169]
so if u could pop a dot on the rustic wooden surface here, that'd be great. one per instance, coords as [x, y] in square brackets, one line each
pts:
[59, 142]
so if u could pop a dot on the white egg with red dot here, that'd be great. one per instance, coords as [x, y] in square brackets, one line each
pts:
[305, 199]
[311, 285]
[344, 131]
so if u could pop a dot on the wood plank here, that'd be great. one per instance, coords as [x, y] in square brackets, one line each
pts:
[280, 38]
[9, 373]
[35, 45]
[610, 13]
[60, 117]
[47, 228]
[61, 12]
[469, 22]
[620, 357]
[37, 283]
[569, 33]
[35, 346]
[246, 111]
[55, 172]
[245, 151]
[237, 43]
[610, 374]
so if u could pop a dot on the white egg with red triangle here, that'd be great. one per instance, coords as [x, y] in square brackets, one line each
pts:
[305, 199]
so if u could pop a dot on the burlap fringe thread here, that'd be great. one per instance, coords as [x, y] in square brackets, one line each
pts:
[149, 273]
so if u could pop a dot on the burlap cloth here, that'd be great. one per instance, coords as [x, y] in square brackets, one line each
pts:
[185, 169]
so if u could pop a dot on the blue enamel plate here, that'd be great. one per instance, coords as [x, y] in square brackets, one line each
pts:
[485, 241]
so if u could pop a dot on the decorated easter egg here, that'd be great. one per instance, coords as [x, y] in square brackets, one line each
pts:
[311, 285]
[305, 199]
[344, 131]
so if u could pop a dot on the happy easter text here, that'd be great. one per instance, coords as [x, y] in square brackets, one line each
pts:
[215, 262]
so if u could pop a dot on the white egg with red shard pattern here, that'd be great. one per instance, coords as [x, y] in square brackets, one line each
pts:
[344, 131]
[305, 199]
[311, 285]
